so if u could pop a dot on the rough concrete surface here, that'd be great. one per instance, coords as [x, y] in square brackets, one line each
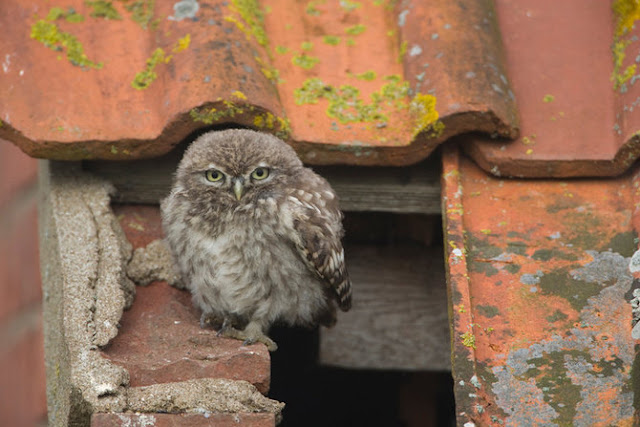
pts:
[182, 420]
[82, 272]
[153, 262]
[84, 257]
[203, 395]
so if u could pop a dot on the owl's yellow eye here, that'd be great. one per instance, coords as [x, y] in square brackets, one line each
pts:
[214, 175]
[260, 173]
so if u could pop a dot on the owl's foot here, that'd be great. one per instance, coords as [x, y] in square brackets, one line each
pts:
[211, 320]
[249, 335]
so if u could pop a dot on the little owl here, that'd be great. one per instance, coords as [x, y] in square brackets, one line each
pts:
[256, 236]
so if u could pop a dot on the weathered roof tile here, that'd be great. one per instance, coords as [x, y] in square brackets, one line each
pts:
[352, 82]
[572, 66]
[542, 302]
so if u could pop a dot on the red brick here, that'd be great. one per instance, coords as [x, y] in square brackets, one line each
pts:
[19, 262]
[17, 170]
[183, 420]
[161, 341]
[22, 380]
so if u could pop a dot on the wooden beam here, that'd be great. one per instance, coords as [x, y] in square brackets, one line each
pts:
[399, 317]
[414, 189]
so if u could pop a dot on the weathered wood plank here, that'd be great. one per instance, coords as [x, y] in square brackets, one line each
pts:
[413, 189]
[399, 317]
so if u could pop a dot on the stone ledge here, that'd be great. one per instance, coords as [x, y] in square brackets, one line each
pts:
[182, 420]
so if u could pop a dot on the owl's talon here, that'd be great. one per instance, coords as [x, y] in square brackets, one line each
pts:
[226, 324]
[209, 320]
[250, 335]
[203, 321]
[271, 345]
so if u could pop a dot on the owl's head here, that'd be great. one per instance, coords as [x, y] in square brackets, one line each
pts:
[236, 167]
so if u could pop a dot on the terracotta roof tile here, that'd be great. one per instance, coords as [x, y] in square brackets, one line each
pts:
[367, 82]
[542, 300]
[579, 113]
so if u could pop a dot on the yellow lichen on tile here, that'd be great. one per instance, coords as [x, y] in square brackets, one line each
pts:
[182, 44]
[423, 106]
[239, 95]
[468, 340]
[626, 12]
[142, 12]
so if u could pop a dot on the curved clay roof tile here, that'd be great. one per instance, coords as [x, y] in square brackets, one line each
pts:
[357, 82]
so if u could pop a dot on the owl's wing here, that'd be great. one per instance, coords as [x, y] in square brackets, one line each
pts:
[318, 227]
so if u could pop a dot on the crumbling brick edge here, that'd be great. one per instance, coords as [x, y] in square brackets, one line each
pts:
[84, 255]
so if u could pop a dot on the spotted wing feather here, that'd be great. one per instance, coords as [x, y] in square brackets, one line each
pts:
[317, 222]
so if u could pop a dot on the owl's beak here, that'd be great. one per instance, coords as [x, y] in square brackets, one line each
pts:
[238, 187]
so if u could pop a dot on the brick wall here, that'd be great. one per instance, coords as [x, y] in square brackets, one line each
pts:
[22, 376]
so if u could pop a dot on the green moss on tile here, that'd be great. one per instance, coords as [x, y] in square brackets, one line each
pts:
[488, 310]
[311, 7]
[624, 243]
[50, 35]
[142, 12]
[251, 20]
[559, 391]
[553, 254]
[69, 15]
[626, 13]
[268, 121]
[512, 268]
[403, 51]
[350, 6]
[144, 78]
[306, 46]
[562, 284]
[282, 49]
[548, 98]
[248, 17]
[346, 104]
[354, 30]
[367, 76]
[557, 316]
[269, 71]
[213, 115]
[305, 61]
[311, 91]
[55, 13]
[331, 40]
[103, 9]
